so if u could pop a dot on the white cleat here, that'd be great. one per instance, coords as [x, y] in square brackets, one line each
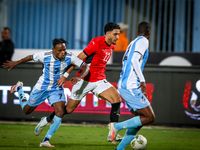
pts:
[118, 138]
[112, 132]
[46, 144]
[13, 89]
[41, 125]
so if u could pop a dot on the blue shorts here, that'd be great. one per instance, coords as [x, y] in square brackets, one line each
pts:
[134, 99]
[39, 96]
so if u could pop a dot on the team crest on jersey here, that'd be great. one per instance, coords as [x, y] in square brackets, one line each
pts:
[32, 101]
[143, 100]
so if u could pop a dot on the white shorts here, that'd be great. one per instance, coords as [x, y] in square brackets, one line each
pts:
[81, 88]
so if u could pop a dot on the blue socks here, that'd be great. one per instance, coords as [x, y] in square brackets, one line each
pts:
[21, 97]
[131, 123]
[132, 129]
[129, 136]
[53, 128]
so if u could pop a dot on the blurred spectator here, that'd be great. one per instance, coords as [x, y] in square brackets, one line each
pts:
[6, 46]
[122, 42]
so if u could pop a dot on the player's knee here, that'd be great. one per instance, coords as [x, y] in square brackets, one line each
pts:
[59, 112]
[27, 110]
[152, 118]
[117, 100]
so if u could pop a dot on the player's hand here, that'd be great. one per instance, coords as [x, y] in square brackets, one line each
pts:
[143, 88]
[61, 81]
[9, 64]
[74, 80]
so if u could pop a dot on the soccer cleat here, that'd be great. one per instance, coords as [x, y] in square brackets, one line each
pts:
[118, 138]
[41, 125]
[112, 132]
[46, 144]
[14, 88]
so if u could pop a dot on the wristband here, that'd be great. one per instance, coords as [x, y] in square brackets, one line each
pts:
[78, 78]
[66, 74]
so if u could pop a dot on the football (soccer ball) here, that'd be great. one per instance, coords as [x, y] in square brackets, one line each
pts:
[139, 142]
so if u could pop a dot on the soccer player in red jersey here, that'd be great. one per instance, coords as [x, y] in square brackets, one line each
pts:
[96, 55]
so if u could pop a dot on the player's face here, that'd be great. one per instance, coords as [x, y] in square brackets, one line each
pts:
[5, 34]
[113, 36]
[59, 51]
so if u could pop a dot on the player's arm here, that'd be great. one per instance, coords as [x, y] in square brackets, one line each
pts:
[84, 72]
[74, 80]
[63, 79]
[82, 55]
[11, 64]
[136, 57]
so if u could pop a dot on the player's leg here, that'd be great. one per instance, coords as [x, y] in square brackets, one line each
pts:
[138, 102]
[68, 109]
[113, 97]
[106, 91]
[79, 90]
[146, 117]
[71, 105]
[129, 135]
[57, 100]
[23, 101]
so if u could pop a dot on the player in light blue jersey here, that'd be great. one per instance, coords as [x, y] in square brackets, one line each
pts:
[49, 85]
[132, 88]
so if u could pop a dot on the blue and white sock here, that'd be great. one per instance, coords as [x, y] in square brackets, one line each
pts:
[131, 123]
[21, 97]
[129, 136]
[53, 128]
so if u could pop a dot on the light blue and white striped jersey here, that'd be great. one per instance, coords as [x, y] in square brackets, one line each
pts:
[128, 77]
[53, 68]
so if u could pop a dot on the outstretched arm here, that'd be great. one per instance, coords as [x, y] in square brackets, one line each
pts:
[11, 64]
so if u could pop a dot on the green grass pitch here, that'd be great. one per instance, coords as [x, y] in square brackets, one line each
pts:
[16, 136]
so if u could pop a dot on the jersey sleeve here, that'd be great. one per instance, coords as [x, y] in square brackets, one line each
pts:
[39, 56]
[135, 61]
[91, 47]
[141, 46]
[76, 61]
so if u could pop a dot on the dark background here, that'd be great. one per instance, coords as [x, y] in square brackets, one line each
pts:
[167, 102]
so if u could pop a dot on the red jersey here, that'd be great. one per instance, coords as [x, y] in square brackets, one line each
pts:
[98, 54]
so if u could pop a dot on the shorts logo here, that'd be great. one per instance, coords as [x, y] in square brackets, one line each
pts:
[32, 101]
[143, 100]
[105, 81]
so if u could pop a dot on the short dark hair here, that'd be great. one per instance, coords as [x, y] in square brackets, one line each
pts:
[58, 41]
[111, 26]
[144, 28]
[6, 28]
